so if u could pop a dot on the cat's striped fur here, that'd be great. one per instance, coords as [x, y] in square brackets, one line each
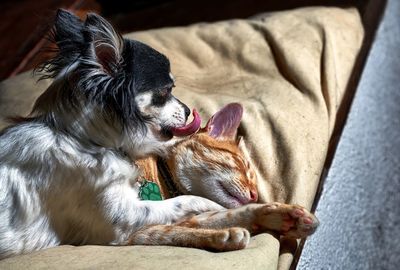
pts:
[219, 168]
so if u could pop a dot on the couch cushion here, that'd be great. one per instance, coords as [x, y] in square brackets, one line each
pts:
[288, 69]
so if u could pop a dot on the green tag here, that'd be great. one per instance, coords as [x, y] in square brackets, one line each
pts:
[150, 191]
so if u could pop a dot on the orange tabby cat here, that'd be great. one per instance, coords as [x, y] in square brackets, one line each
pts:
[214, 165]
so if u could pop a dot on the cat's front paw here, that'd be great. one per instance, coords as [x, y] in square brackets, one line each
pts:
[231, 239]
[292, 221]
[299, 223]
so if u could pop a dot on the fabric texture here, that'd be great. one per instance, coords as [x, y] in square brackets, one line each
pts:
[288, 69]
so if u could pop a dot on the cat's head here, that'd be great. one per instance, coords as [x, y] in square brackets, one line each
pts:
[214, 163]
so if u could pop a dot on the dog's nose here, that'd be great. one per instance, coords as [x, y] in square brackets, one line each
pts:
[185, 108]
[187, 111]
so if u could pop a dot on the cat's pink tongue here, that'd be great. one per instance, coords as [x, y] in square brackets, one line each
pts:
[190, 128]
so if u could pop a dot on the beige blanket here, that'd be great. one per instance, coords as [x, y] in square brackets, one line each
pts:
[288, 69]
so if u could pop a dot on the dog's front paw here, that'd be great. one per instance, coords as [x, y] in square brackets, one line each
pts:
[292, 221]
[231, 239]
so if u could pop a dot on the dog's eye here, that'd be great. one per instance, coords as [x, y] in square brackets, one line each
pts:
[166, 92]
[162, 96]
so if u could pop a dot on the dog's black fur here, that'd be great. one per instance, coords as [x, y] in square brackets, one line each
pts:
[138, 68]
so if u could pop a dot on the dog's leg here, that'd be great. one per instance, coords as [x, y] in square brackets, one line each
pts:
[289, 220]
[211, 239]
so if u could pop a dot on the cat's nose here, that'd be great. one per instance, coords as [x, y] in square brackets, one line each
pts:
[253, 195]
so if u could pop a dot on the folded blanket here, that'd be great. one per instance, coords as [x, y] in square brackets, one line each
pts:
[288, 69]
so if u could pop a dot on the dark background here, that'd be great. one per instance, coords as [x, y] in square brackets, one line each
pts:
[24, 23]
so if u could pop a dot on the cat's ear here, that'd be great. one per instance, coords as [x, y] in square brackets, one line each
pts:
[224, 124]
[107, 43]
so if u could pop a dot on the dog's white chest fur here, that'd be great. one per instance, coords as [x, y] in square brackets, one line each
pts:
[53, 189]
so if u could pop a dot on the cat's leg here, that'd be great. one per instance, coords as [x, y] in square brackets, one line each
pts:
[292, 221]
[289, 220]
[211, 239]
[127, 214]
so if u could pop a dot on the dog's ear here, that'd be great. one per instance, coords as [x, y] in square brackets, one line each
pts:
[224, 124]
[68, 31]
[107, 43]
[67, 36]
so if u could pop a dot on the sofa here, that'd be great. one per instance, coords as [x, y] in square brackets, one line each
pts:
[290, 70]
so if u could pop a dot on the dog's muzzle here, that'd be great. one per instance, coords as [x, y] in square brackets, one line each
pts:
[188, 129]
